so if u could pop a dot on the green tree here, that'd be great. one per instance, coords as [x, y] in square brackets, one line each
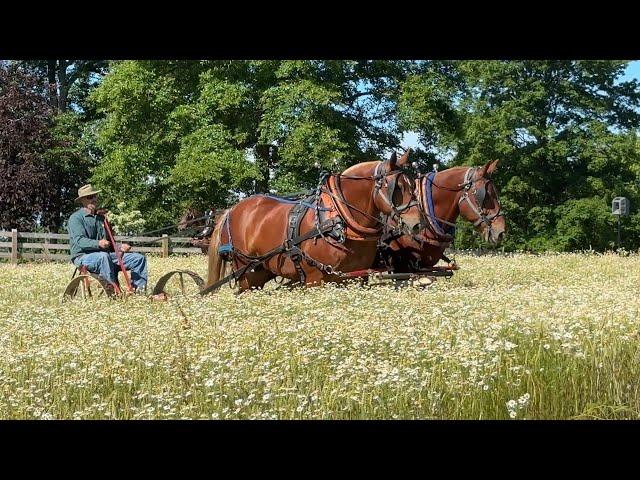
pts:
[70, 161]
[202, 134]
[126, 222]
[429, 105]
[67, 82]
[585, 223]
[564, 131]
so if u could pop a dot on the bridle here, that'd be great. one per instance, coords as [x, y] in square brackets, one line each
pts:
[381, 177]
[444, 230]
[398, 227]
[391, 179]
[479, 194]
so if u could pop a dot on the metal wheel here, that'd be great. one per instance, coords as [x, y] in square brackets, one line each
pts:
[175, 283]
[87, 287]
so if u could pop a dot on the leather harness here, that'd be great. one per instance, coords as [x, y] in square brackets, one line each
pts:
[332, 224]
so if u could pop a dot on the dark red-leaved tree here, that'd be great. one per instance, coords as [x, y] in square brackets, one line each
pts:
[28, 183]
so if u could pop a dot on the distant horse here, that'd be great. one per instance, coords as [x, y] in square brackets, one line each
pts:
[443, 196]
[317, 238]
[204, 221]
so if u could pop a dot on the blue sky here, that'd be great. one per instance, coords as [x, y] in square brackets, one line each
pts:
[633, 71]
[410, 139]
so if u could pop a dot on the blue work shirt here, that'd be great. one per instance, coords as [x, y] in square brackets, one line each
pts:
[85, 229]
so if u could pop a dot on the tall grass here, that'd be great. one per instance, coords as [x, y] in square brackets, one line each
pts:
[535, 337]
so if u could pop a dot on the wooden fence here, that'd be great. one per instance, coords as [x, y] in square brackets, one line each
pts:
[15, 245]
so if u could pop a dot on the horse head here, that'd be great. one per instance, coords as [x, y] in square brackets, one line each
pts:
[479, 203]
[186, 220]
[395, 197]
[443, 196]
[381, 188]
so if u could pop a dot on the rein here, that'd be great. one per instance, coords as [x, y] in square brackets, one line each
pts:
[335, 192]
[118, 253]
[163, 229]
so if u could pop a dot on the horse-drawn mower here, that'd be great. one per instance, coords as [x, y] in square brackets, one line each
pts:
[371, 221]
[353, 223]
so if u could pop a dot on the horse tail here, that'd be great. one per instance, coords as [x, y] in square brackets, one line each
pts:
[216, 262]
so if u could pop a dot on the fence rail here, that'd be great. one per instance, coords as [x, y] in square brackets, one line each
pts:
[16, 245]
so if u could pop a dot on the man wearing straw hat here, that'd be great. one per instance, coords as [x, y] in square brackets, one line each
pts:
[90, 246]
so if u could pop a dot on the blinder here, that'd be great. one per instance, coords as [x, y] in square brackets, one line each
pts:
[391, 179]
[479, 194]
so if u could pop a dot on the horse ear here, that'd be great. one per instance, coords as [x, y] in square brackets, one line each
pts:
[404, 159]
[393, 160]
[492, 167]
[483, 171]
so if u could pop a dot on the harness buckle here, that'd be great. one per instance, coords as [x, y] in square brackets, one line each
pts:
[337, 232]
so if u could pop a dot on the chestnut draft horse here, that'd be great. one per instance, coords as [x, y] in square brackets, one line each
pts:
[315, 239]
[443, 196]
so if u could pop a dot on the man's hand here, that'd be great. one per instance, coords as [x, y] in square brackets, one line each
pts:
[104, 243]
[125, 247]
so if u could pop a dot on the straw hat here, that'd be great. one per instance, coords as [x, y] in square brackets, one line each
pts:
[86, 191]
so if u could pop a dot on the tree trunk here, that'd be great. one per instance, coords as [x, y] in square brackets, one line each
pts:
[64, 86]
[53, 84]
[263, 160]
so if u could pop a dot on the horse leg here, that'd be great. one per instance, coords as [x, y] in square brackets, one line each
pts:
[255, 279]
[315, 278]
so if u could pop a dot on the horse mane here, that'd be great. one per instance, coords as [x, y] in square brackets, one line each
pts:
[359, 165]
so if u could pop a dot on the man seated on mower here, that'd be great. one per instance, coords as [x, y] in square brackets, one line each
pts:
[90, 246]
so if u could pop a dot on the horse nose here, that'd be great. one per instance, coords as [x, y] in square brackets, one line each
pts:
[501, 236]
[416, 229]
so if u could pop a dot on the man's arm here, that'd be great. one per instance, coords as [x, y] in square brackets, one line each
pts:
[79, 238]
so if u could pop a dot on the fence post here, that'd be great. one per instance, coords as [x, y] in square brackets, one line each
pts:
[14, 246]
[165, 245]
[45, 248]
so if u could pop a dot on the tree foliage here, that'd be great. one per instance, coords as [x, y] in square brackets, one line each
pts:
[203, 134]
[566, 134]
[27, 180]
[67, 82]
[161, 136]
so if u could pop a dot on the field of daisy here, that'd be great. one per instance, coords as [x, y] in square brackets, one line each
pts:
[520, 337]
